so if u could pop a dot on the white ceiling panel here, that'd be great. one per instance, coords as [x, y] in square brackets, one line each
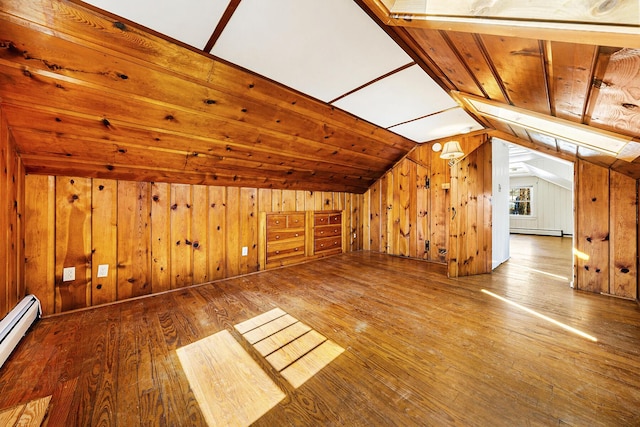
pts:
[400, 97]
[441, 125]
[191, 21]
[322, 48]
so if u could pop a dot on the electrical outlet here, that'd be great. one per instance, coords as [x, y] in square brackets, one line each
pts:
[103, 270]
[245, 251]
[68, 274]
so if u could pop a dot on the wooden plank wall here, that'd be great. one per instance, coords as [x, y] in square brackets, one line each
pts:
[404, 214]
[11, 222]
[470, 233]
[606, 231]
[154, 236]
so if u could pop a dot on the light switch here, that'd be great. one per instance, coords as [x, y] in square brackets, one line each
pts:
[103, 270]
[68, 274]
[245, 251]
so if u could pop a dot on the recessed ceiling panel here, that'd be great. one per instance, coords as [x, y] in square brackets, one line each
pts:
[441, 125]
[400, 97]
[192, 22]
[322, 48]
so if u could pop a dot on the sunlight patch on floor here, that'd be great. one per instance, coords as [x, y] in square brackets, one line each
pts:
[542, 316]
[294, 349]
[555, 276]
[230, 387]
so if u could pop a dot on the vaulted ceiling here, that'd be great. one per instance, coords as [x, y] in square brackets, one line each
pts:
[290, 93]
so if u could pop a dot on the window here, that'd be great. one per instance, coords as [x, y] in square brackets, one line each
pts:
[520, 201]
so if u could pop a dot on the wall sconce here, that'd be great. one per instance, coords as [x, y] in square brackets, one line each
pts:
[451, 152]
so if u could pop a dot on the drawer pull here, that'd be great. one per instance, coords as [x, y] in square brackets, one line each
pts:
[277, 237]
[277, 252]
[277, 221]
[297, 234]
[296, 249]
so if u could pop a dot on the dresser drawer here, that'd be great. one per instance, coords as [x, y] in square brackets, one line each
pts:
[276, 221]
[327, 231]
[328, 244]
[321, 219]
[278, 234]
[335, 219]
[295, 220]
[287, 249]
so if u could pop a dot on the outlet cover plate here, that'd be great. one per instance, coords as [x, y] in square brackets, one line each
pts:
[103, 270]
[68, 274]
[245, 251]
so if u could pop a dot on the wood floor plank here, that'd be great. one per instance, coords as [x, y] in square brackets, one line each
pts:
[9, 417]
[34, 412]
[281, 338]
[419, 348]
[270, 328]
[311, 362]
[296, 349]
[254, 322]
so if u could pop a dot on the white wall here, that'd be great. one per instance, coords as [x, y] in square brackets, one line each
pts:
[552, 207]
[500, 203]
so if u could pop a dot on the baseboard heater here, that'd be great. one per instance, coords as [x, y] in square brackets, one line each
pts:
[15, 325]
[537, 231]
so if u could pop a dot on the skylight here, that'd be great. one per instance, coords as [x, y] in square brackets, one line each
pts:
[602, 141]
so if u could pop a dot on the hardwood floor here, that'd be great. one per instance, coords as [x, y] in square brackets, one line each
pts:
[418, 349]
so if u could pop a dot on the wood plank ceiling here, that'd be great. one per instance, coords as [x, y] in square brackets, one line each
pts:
[283, 94]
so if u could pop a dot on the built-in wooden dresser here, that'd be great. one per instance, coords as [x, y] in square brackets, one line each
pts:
[327, 233]
[291, 237]
[285, 238]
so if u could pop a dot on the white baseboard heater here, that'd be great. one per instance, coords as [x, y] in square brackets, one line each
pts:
[537, 231]
[15, 325]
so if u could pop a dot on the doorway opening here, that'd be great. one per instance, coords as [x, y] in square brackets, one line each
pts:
[533, 210]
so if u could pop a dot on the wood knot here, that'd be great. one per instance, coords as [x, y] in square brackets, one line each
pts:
[594, 199]
[209, 101]
[629, 106]
[122, 150]
[106, 122]
[187, 242]
[174, 206]
[119, 25]
[122, 76]
[156, 198]
[101, 187]
[131, 280]
[99, 287]
[58, 119]
[589, 239]
[624, 270]
[169, 117]
[196, 245]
